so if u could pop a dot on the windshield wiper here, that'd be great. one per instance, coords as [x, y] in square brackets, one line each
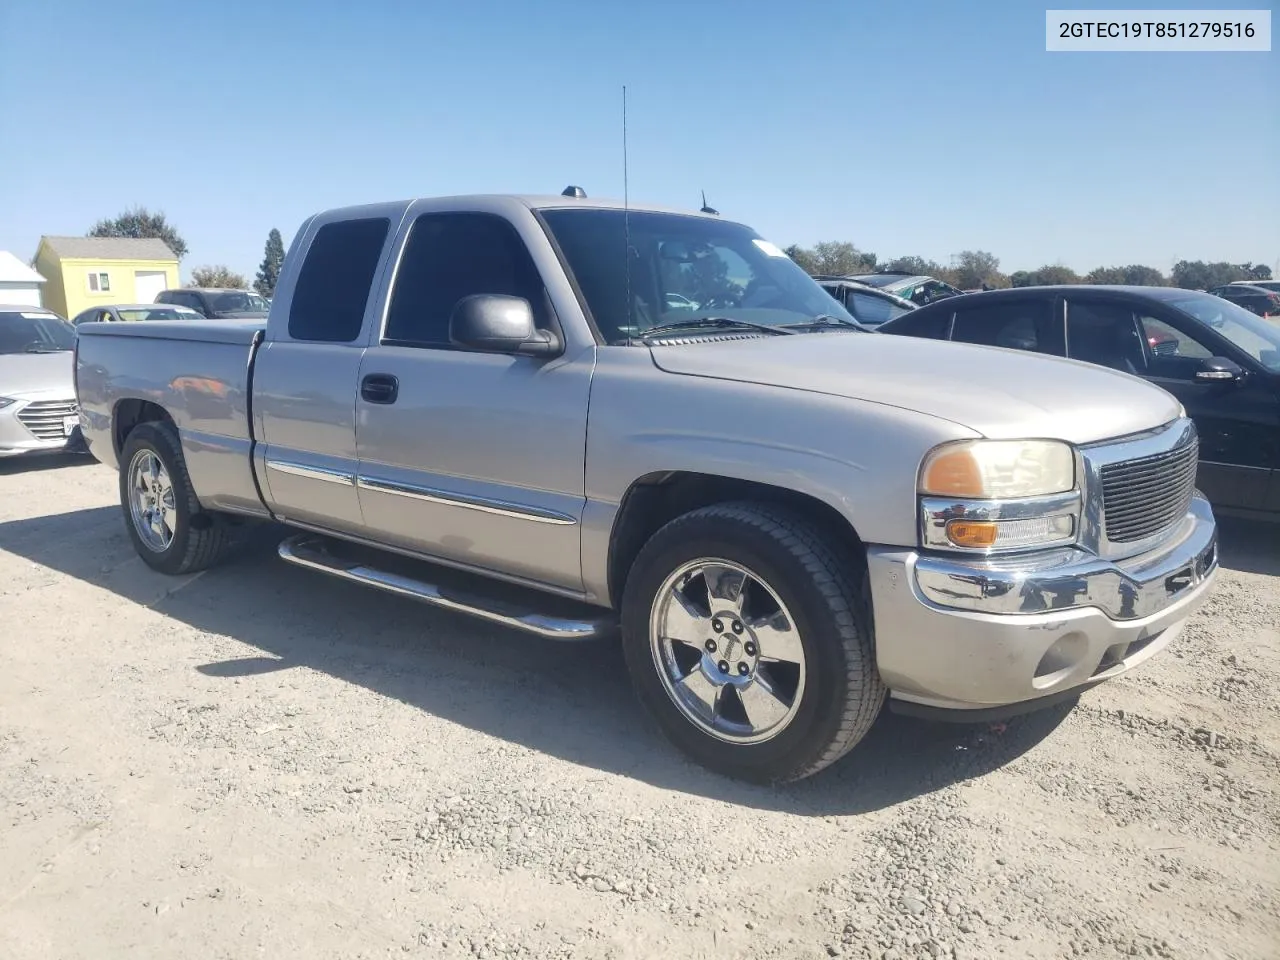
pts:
[826, 320]
[707, 323]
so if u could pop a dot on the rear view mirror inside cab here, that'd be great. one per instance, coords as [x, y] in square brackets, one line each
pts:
[682, 251]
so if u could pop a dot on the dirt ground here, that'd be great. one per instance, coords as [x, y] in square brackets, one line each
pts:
[262, 762]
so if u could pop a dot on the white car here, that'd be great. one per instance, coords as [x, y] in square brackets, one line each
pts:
[38, 411]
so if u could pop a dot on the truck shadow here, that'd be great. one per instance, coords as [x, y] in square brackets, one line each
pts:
[572, 701]
[12, 466]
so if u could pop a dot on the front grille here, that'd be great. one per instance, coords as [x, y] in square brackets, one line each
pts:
[1142, 497]
[44, 418]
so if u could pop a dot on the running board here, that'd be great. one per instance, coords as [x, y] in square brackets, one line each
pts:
[392, 574]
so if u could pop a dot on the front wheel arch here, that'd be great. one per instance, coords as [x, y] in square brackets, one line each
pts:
[654, 500]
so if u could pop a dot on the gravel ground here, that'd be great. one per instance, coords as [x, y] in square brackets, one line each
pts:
[260, 761]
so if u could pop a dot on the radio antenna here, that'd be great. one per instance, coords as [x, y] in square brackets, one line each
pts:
[626, 209]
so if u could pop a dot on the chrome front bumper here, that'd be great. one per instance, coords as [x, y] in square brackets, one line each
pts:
[965, 634]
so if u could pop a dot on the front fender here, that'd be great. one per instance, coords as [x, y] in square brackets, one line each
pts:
[859, 458]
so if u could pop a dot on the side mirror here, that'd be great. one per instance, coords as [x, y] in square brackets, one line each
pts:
[496, 323]
[1218, 370]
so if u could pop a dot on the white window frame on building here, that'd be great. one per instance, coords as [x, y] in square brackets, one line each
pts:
[99, 282]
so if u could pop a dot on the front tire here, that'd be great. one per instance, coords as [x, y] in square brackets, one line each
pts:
[747, 634]
[166, 523]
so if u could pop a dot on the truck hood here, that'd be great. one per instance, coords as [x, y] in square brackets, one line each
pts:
[29, 374]
[999, 393]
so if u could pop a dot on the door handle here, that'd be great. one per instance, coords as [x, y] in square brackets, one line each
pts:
[380, 388]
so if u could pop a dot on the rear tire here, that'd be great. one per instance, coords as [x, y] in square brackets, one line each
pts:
[170, 530]
[771, 683]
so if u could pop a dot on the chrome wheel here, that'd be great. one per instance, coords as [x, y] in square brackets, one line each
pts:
[151, 501]
[727, 651]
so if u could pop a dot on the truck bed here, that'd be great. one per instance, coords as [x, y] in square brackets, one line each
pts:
[207, 395]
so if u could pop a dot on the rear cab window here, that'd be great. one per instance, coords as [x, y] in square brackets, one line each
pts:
[336, 280]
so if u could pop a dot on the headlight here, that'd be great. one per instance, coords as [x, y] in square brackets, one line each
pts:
[987, 496]
[5, 401]
[998, 469]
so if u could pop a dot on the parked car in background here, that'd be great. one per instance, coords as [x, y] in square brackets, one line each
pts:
[1272, 285]
[920, 290]
[131, 312]
[870, 306]
[1221, 361]
[1253, 297]
[752, 491]
[218, 303]
[38, 412]
[678, 301]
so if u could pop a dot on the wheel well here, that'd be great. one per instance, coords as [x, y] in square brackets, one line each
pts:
[655, 500]
[130, 413]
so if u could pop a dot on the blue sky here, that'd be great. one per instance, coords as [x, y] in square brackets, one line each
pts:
[909, 128]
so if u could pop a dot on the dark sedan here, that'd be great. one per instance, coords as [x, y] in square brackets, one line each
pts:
[1220, 360]
[1253, 297]
[218, 303]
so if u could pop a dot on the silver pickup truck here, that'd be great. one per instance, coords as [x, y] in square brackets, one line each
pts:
[655, 421]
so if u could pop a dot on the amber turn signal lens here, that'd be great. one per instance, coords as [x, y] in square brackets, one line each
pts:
[954, 474]
[972, 533]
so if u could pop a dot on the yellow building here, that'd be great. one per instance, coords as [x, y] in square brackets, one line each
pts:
[83, 272]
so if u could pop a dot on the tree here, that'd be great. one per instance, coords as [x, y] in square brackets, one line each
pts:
[840, 258]
[1141, 276]
[975, 268]
[217, 276]
[1135, 274]
[1051, 274]
[1192, 275]
[1107, 275]
[836, 258]
[914, 265]
[272, 258]
[141, 223]
[1047, 275]
[803, 257]
[1198, 275]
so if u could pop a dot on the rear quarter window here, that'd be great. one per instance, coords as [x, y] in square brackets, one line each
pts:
[335, 281]
[1022, 324]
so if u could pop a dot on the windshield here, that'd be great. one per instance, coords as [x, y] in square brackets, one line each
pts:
[1258, 338]
[681, 268]
[880, 279]
[237, 301]
[873, 310]
[35, 332]
[159, 313]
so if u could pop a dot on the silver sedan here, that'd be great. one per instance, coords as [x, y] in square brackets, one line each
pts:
[38, 411]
